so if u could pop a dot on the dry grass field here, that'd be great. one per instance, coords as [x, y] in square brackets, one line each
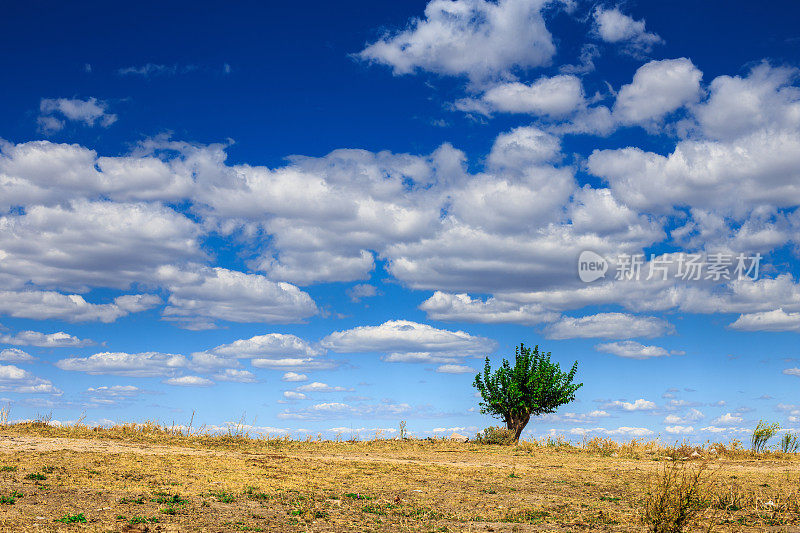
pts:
[149, 478]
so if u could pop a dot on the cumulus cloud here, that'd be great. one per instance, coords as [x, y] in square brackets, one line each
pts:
[608, 326]
[318, 386]
[197, 298]
[777, 320]
[235, 375]
[679, 430]
[84, 244]
[53, 112]
[552, 97]
[476, 38]
[189, 381]
[15, 355]
[727, 419]
[631, 350]
[406, 341]
[455, 369]
[273, 350]
[15, 379]
[658, 88]
[338, 410]
[45, 340]
[463, 308]
[294, 376]
[613, 26]
[43, 305]
[737, 106]
[639, 405]
[146, 364]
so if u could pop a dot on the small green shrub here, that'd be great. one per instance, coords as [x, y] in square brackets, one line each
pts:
[72, 518]
[495, 435]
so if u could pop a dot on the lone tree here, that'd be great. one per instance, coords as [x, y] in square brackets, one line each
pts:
[534, 386]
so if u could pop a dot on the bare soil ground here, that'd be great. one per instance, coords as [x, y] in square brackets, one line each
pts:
[53, 479]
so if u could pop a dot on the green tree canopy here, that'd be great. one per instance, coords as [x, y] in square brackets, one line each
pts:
[533, 386]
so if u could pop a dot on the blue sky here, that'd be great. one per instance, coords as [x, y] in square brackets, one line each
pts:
[324, 218]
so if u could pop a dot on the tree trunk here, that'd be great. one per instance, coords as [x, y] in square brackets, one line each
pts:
[517, 424]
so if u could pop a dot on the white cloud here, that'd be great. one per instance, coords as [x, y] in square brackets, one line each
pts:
[318, 386]
[525, 146]
[658, 88]
[86, 111]
[639, 405]
[777, 320]
[463, 308]
[625, 431]
[691, 415]
[455, 369]
[406, 341]
[476, 38]
[608, 326]
[45, 173]
[15, 379]
[199, 297]
[292, 395]
[737, 106]
[147, 364]
[328, 410]
[45, 340]
[269, 345]
[615, 27]
[679, 430]
[82, 244]
[555, 96]
[727, 419]
[294, 376]
[15, 355]
[361, 291]
[631, 349]
[236, 376]
[43, 305]
[152, 69]
[189, 381]
[273, 350]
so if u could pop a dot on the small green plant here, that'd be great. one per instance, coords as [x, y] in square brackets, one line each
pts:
[254, 494]
[72, 518]
[495, 435]
[141, 520]
[6, 468]
[354, 496]
[139, 500]
[36, 477]
[789, 443]
[525, 515]
[762, 433]
[222, 496]
[174, 499]
[376, 509]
